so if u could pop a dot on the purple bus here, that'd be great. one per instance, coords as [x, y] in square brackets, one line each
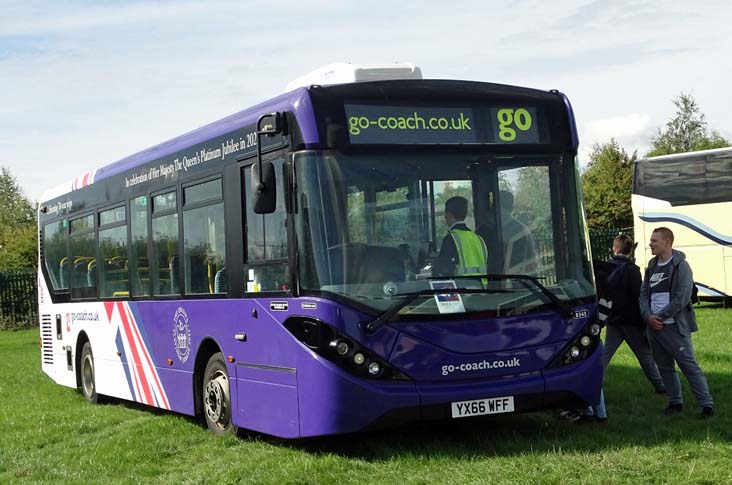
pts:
[276, 270]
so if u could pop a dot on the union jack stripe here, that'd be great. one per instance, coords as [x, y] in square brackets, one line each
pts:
[144, 381]
[83, 180]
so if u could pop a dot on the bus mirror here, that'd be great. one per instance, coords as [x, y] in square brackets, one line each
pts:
[264, 188]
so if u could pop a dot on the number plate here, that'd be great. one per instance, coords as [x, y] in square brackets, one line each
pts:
[494, 405]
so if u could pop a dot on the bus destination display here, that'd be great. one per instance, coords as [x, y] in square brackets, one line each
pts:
[419, 125]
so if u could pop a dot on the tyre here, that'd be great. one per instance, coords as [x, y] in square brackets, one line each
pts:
[86, 372]
[216, 397]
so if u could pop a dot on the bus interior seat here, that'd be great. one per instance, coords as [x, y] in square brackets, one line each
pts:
[80, 276]
[220, 281]
[196, 274]
[63, 272]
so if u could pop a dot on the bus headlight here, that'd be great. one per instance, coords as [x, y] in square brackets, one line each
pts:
[581, 347]
[574, 352]
[341, 347]
[341, 350]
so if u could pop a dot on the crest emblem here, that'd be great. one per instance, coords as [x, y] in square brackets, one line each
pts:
[181, 335]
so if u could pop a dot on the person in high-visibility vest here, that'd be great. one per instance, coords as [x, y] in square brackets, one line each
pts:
[463, 252]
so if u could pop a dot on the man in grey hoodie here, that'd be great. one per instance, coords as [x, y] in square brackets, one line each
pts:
[665, 304]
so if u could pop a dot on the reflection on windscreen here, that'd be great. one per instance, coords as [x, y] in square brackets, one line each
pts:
[375, 228]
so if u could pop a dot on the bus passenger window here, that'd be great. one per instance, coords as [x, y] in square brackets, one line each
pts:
[83, 261]
[139, 266]
[54, 254]
[203, 231]
[113, 278]
[165, 260]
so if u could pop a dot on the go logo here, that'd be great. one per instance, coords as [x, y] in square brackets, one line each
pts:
[510, 119]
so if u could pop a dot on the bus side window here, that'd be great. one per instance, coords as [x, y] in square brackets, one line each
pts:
[83, 261]
[266, 268]
[54, 253]
[165, 261]
[203, 231]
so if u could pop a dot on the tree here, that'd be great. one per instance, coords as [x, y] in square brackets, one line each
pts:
[607, 184]
[18, 233]
[686, 132]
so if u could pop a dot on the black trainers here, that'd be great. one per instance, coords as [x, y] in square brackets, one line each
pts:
[673, 409]
[707, 412]
[571, 416]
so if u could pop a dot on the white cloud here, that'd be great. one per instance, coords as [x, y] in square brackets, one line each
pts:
[632, 131]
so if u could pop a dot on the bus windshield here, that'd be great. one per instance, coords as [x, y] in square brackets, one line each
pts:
[370, 227]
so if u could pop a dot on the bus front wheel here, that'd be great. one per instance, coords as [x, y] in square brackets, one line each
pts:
[217, 396]
[88, 382]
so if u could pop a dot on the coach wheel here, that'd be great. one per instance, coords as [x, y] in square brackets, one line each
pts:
[88, 386]
[217, 396]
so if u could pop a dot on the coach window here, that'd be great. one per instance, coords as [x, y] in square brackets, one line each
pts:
[203, 238]
[266, 268]
[54, 254]
[139, 266]
[113, 278]
[165, 260]
[82, 262]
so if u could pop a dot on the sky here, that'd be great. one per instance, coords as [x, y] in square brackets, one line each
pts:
[86, 83]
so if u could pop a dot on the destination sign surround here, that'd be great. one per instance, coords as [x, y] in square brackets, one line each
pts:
[430, 125]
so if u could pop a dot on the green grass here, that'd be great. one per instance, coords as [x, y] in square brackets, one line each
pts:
[48, 433]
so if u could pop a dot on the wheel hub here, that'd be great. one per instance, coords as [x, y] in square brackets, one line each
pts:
[217, 396]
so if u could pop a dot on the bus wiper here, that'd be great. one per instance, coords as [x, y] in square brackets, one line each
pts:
[374, 325]
[564, 309]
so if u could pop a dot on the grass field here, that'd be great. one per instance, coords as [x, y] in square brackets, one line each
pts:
[48, 433]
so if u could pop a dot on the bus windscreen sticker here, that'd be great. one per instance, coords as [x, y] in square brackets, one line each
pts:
[447, 302]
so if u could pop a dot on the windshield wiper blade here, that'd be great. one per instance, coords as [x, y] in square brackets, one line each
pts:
[410, 297]
[564, 309]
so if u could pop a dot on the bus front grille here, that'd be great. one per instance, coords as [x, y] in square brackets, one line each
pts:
[47, 339]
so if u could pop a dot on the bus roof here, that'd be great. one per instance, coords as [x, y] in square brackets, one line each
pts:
[301, 102]
[715, 152]
[296, 101]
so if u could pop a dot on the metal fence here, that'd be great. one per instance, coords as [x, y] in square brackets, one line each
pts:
[18, 299]
[601, 241]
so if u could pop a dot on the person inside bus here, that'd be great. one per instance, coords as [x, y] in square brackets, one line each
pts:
[665, 304]
[462, 251]
[518, 240]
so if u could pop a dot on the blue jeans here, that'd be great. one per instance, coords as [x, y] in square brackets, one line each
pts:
[598, 411]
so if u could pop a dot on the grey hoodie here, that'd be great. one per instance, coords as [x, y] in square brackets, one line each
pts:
[679, 308]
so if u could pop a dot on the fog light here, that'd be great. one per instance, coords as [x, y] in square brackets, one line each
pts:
[358, 358]
[585, 341]
[374, 369]
[574, 352]
[595, 329]
[341, 347]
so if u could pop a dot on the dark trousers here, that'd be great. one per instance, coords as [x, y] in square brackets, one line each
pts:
[635, 336]
[670, 348]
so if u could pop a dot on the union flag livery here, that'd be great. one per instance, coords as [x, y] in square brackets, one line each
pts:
[293, 268]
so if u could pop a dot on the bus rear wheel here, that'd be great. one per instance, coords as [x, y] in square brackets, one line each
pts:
[216, 397]
[88, 381]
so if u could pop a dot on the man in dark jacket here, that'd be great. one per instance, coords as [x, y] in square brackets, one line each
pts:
[665, 303]
[624, 322]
